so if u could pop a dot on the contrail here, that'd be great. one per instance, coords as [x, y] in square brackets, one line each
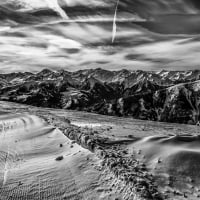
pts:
[53, 4]
[114, 23]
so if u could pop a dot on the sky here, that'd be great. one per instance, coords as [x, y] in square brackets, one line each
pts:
[78, 34]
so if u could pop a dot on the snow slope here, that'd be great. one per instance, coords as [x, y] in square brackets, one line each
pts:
[28, 165]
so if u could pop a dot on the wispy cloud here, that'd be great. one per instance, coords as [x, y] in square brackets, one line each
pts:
[123, 34]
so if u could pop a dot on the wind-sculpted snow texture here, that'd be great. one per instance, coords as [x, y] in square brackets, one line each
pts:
[131, 176]
[163, 166]
[28, 166]
[135, 160]
[168, 96]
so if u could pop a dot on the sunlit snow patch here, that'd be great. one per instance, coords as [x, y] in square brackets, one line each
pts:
[89, 125]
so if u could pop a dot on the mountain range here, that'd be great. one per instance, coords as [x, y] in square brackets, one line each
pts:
[167, 96]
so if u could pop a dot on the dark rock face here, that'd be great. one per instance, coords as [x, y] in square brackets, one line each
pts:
[168, 96]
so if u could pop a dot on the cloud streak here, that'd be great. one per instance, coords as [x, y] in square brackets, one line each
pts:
[148, 36]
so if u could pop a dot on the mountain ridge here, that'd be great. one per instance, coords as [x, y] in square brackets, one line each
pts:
[168, 96]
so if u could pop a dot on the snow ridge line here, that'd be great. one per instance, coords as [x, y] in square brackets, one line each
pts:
[132, 176]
